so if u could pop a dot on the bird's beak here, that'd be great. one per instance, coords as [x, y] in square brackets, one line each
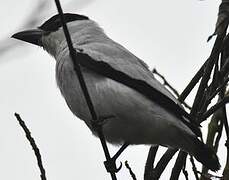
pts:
[32, 36]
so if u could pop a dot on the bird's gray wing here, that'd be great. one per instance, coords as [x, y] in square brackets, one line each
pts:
[121, 59]
[117, 63]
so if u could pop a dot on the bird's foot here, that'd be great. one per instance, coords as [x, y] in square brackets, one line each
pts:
[111, 165]
[101, 121]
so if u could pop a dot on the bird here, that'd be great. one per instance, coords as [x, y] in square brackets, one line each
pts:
[135, 107]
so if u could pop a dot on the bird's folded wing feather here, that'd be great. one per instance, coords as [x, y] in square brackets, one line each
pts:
[117, 63]
[122, 60]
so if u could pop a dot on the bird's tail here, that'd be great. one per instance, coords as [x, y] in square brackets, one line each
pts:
[204, 154]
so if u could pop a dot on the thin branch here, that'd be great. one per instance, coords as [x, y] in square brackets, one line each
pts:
[225, 123]
[220, 88]
[185, 172]
[150, 162]
[203, 84]
[163, 162]
[224, 119]
[226, 168]
[33, 144]
[130, 171]
[214, 108]
[193, 82]
[166, 83]
[214, 134]
[78, 71]
[178, 165]
[219, 117]
[225, 69]
[218, 137]
[194, 169]
[209, 91]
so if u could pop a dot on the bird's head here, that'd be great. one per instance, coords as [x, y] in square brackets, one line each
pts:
[50, 34]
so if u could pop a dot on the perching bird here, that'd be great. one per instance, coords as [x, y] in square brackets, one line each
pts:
[141, 110]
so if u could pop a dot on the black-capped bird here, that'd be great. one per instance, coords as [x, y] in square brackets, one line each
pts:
[141, 110]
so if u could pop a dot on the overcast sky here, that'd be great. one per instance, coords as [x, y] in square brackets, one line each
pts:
[168, 35]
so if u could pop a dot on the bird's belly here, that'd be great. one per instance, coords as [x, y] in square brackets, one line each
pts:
[134, 118]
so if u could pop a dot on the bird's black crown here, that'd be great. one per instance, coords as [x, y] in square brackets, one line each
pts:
[54, 23]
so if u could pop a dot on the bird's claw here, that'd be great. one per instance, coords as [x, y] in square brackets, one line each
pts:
[111, 166]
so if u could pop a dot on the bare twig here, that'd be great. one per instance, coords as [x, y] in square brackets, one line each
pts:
[150, 162]
[166, 83]
[219, 117]
[193, 82]
[222, 95]
[226, 127]
[225, 122]
[214, 134]
[185, 172]
[224, 113]
[130, 171]
[33, 144]
[220, 88]
[209, 91]
[225, 69]
[203, 84]
[163, 162]
[214, 108]
[194, 169]
[78, 71]
[178, 165]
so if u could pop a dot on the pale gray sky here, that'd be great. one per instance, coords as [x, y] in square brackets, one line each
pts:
[168, 35]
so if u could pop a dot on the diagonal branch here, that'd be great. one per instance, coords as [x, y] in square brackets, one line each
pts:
[83, 86]
[34, 146]
[214, 108]
[207, 72]
[185, 172]
[161, 165]
[130, 171]
[154, 71]
[192, 83]
[166, 83]
[178, 165]
[150, 162]
[194, 168]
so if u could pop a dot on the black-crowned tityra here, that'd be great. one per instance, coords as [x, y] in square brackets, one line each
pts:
[141, 110]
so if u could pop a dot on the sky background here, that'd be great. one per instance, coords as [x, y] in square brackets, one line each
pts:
[168, 35]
